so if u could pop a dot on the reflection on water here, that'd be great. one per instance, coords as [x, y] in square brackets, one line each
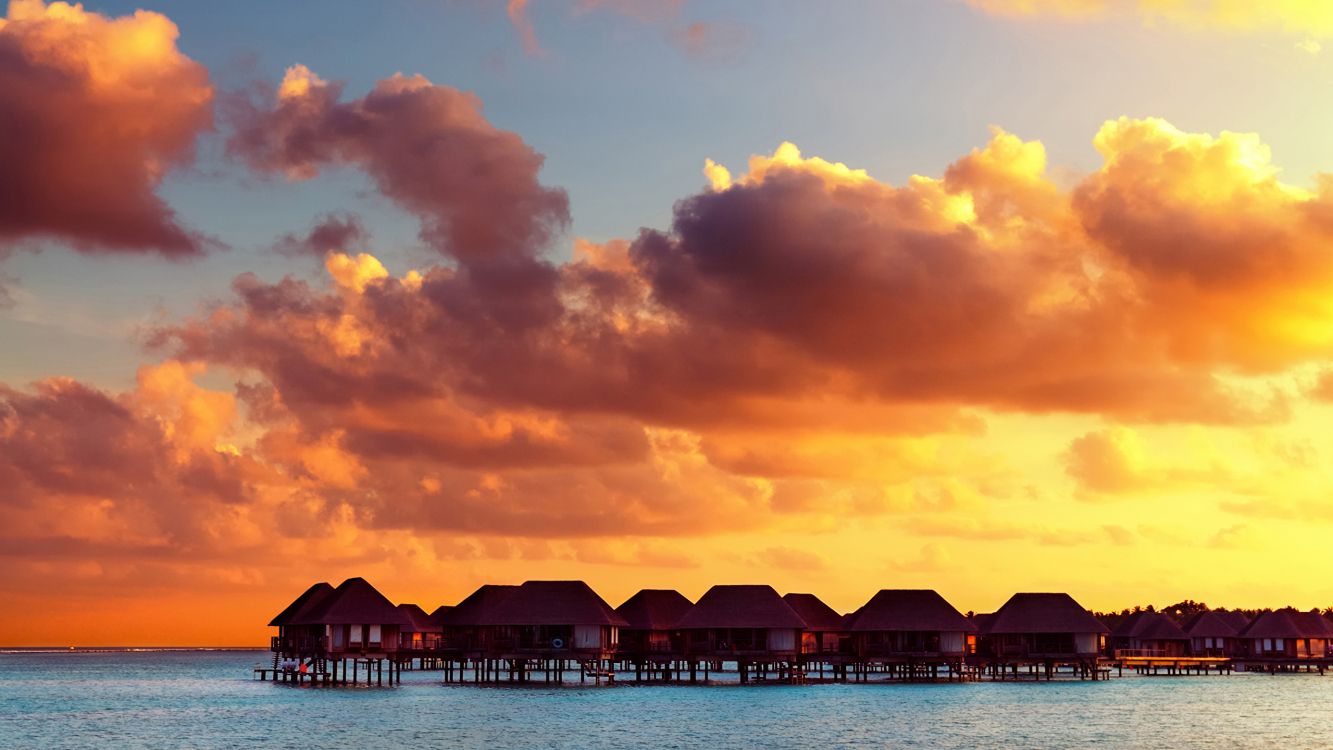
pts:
[207, 700]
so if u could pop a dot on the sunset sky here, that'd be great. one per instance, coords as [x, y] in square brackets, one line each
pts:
[974, 295]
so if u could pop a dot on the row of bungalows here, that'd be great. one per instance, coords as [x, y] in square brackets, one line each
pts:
[1273, 636]
[910, 632]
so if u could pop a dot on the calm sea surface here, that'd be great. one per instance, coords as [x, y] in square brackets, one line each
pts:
[209, 700]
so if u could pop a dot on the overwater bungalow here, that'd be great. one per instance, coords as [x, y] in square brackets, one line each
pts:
[1148, 634]
[1212, 635]
[357, 620]
[1235, 618]
[749, 624]
[1046, 630]
[650, 624]
[649, 640]
[1288, 635]
[467, 627]
[299, 641]
[555, 620]
[437, 615]
[421, 633]
[903, 624]
[824, 637]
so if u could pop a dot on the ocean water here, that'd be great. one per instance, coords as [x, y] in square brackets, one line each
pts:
[210, 700]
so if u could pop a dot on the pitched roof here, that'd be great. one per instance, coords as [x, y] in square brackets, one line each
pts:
[818, 616]
[1286, 623]
[654, 609]
[438, 615]
[1210, 625]
[1044, 613]
[1235, 618]
[421, 622]
[910, 610]
[476, 608]
[1149, 626]
[554, 603]
[741, 607]
[302, 604]
[354, 602]
[1314, 624]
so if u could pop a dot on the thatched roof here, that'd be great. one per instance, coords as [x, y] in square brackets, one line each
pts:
[1315, 625]
[741, 607]
[818, 616]
[1044, 613]
[307, 601]
[1149, 626]
[554, 603]
[654, 609]
[1286, 623]
[477, 608]
[420, 621]
[1235, 618]
[354, 602]
[910, 610]
[1210, 625]
[438, 615]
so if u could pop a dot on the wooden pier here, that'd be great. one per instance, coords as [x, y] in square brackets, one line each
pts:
[329, 672]
[1148, 664]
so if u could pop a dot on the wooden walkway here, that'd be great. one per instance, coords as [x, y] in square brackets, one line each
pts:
[1174, 665]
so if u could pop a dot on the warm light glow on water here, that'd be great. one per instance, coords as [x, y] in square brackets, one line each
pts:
[206, 700]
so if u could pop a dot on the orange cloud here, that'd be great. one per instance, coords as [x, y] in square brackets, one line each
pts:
[97, 111]
[1110, 460]
[788, 293]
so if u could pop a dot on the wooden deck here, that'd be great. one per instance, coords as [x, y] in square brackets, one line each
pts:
[1175, 665]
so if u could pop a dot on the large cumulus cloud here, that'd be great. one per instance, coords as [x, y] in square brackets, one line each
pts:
[1135, 294]
[428, 147]
[94, 112]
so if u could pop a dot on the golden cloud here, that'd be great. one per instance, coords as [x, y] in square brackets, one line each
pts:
[97, 111]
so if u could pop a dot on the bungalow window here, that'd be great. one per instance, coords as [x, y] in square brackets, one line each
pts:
[374, 633]
[1277, 645]
[355, 636]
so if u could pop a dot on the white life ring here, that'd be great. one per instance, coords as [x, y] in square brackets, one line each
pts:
[557, 643]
